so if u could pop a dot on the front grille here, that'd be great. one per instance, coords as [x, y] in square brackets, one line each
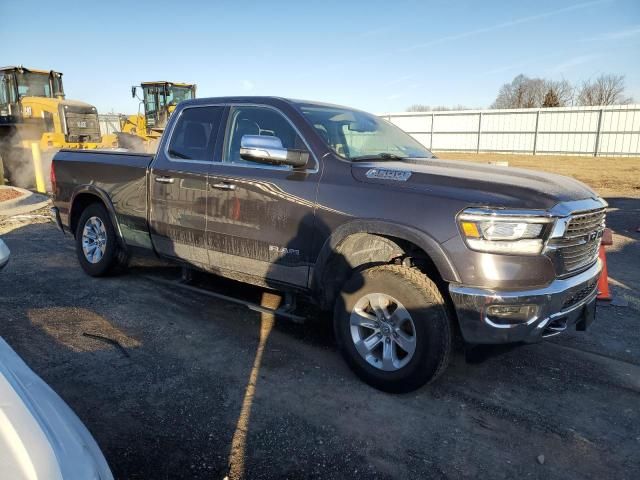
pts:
[82, 127]
[585, 223]
[578, 248]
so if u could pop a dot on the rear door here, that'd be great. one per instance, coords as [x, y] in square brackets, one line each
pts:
[262, 217]
[179, 185]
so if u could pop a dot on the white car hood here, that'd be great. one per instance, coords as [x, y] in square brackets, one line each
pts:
[40, 436]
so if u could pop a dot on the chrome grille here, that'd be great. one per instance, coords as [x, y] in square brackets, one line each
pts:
[584, 223]
[579, 246]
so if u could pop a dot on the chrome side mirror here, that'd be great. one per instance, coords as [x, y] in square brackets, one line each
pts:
[269, 149]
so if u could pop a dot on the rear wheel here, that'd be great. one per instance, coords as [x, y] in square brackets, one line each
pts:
[393, 328]
[97, 247]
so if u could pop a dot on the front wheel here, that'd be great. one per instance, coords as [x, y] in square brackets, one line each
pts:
[393, 328]
[97, 247]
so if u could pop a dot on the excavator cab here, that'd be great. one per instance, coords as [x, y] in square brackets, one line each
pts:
[159, 100]
[142, 132]
[17, 83]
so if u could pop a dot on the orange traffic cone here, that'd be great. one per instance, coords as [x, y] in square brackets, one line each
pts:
[603, 281]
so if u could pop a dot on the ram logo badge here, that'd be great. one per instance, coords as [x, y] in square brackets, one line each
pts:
[283, 250]
[386, 174]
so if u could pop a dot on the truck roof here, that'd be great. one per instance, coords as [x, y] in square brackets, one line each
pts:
[262, 99]
[162, 82]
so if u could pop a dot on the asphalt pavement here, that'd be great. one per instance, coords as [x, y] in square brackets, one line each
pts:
[174, 384]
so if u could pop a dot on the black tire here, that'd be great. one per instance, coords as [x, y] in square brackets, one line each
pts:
[114, 258]
[427, 308]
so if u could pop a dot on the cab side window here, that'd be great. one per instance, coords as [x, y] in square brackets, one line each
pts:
[7, 89]
[194, 136]
[258, 121]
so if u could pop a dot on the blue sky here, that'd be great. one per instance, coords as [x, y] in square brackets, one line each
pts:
[380, 56]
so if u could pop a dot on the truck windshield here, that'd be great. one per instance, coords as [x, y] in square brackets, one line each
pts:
[32, 84]
[354, 135]
[175, 95]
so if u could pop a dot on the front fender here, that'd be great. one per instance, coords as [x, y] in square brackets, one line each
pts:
[377, 227]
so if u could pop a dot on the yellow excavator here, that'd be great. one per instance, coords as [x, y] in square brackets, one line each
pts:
[159, 100]
[34, 110]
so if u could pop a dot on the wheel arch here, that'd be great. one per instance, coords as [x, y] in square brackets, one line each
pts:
[86, 195]
[369, 242]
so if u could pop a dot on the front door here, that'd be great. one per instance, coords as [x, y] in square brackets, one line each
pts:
[179, 186]
[264, 215]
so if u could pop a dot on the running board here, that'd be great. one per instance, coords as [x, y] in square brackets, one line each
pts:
[284, 311]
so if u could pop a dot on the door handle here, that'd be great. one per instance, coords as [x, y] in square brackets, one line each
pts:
[164, 180]
[223, 186]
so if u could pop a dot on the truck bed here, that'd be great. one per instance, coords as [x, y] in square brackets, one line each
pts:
[119, 177]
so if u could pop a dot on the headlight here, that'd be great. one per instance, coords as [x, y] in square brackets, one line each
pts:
[505, 231]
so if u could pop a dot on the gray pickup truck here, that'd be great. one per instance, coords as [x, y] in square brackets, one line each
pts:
[407, 250]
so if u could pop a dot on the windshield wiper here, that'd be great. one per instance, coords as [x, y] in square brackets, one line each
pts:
[379, 156]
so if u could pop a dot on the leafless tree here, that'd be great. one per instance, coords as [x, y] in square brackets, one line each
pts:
[438, 108]
[526, 92]
[419, 108]
[604, 90]
[522, 92]
[562, 91]
[551, 99]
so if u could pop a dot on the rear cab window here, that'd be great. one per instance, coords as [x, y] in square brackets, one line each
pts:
[195, 134]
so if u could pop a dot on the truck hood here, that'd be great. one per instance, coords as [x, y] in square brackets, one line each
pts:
[476, 183]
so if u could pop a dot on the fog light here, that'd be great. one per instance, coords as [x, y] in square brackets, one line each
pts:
[508, 314]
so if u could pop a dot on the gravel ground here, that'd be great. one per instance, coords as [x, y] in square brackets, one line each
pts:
[201, 388]
[8, 194]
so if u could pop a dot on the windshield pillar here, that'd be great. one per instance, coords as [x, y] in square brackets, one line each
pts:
[55, 79]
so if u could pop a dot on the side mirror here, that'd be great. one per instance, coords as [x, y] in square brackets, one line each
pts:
[268, 149]
[133, 92]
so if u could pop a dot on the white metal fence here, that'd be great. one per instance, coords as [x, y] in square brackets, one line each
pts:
[600, 131]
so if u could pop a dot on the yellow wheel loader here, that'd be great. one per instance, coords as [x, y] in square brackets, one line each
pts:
[159, 100]
[36, 119]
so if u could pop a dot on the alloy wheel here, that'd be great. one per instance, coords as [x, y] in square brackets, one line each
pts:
[383, 331]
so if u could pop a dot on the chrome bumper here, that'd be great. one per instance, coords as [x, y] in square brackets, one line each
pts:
[564, 303]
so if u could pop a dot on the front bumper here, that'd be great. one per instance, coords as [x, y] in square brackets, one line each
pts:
[562, 304]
